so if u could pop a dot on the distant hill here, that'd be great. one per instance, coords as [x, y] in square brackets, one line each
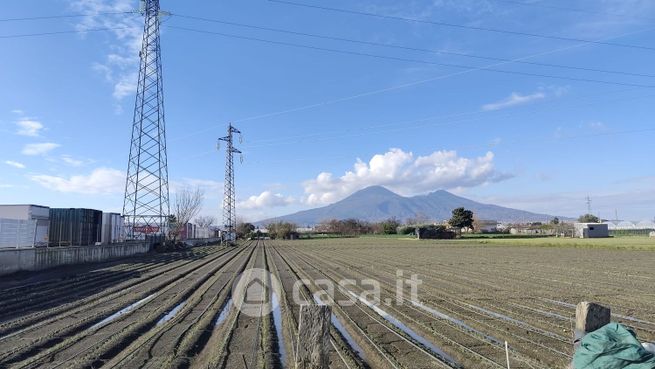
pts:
[377, 203]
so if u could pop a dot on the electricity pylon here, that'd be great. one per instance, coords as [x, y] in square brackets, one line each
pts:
[146, 204]
[229, 194]
[588, 200]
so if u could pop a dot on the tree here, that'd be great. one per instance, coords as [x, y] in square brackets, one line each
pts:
[477, 224]
[244, 229]
[281, 230]
[408, 229]
[461, 218]
[204, 221]
[390, 226]
[588, 218]
[346, 227]
[417, 219]
[555, 221]
[187, 205]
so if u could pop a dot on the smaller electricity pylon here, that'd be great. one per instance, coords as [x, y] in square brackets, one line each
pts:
[229, 195]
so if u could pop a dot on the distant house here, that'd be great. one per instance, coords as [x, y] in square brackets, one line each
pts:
[486, 226]
[591, 230]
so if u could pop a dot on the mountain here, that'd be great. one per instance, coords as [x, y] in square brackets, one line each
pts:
[377, 203]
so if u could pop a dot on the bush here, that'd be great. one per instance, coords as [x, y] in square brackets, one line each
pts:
[390, 226]
[407, 230]
[435, 232]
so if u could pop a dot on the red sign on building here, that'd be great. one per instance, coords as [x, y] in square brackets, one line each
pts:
[146, 229]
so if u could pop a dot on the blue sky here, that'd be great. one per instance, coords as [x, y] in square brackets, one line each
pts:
[319, 125]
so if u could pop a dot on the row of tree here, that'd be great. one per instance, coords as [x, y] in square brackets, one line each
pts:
[461, 218]
[189, 202]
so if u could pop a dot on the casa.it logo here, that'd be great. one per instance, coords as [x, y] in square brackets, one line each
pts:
[256, 292]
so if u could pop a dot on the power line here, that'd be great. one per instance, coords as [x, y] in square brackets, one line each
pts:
[461, 26]
[410, 48]
[569, 9]
[404, 125]
[64, 16]
[65, 32]
[389, 88]
[467, 147]
[450, 65]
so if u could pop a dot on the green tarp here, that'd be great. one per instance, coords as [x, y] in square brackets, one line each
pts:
[612, 346]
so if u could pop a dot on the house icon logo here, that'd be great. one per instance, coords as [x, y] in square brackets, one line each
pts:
[252, 292]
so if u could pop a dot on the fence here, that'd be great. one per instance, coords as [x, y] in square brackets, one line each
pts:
[31, 259]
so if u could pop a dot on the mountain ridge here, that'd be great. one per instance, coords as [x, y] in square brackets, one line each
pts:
[376, 203]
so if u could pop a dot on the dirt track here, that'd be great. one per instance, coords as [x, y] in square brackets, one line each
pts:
[176, 310]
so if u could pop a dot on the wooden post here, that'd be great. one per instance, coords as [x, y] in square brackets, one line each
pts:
[589, 316]
[313, 337]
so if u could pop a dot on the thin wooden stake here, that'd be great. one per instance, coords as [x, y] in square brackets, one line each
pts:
[507, 354]
[313, 337]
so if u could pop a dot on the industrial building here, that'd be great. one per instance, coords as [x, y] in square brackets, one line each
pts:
[41, 226]
[75, 227]
[191, 232]
[24, 225]
[591, 230]
[112, 228]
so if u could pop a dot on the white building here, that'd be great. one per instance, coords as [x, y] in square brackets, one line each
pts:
[486, 226]
[24, 225]
[203, 232]
[591, 230]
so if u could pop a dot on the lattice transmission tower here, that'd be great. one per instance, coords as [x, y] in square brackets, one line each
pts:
[146, 204]
[229, 194]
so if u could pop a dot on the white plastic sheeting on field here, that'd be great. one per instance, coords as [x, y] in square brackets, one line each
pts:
[627, 225]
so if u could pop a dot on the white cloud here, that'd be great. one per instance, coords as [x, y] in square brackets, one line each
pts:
[125, 86]
[28, 127]
[607, 18]
[39, 148]
[405, 173]
[266, 199]
[15, 164]
[99, 181]
[72, 161]
[119, 65]
[513, 100]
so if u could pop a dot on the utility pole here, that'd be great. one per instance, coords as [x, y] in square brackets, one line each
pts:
[229, 194]
[146, 205]
[588, 199]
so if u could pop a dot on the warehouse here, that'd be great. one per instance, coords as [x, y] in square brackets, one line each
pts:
[591, 230]
[24, 225]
